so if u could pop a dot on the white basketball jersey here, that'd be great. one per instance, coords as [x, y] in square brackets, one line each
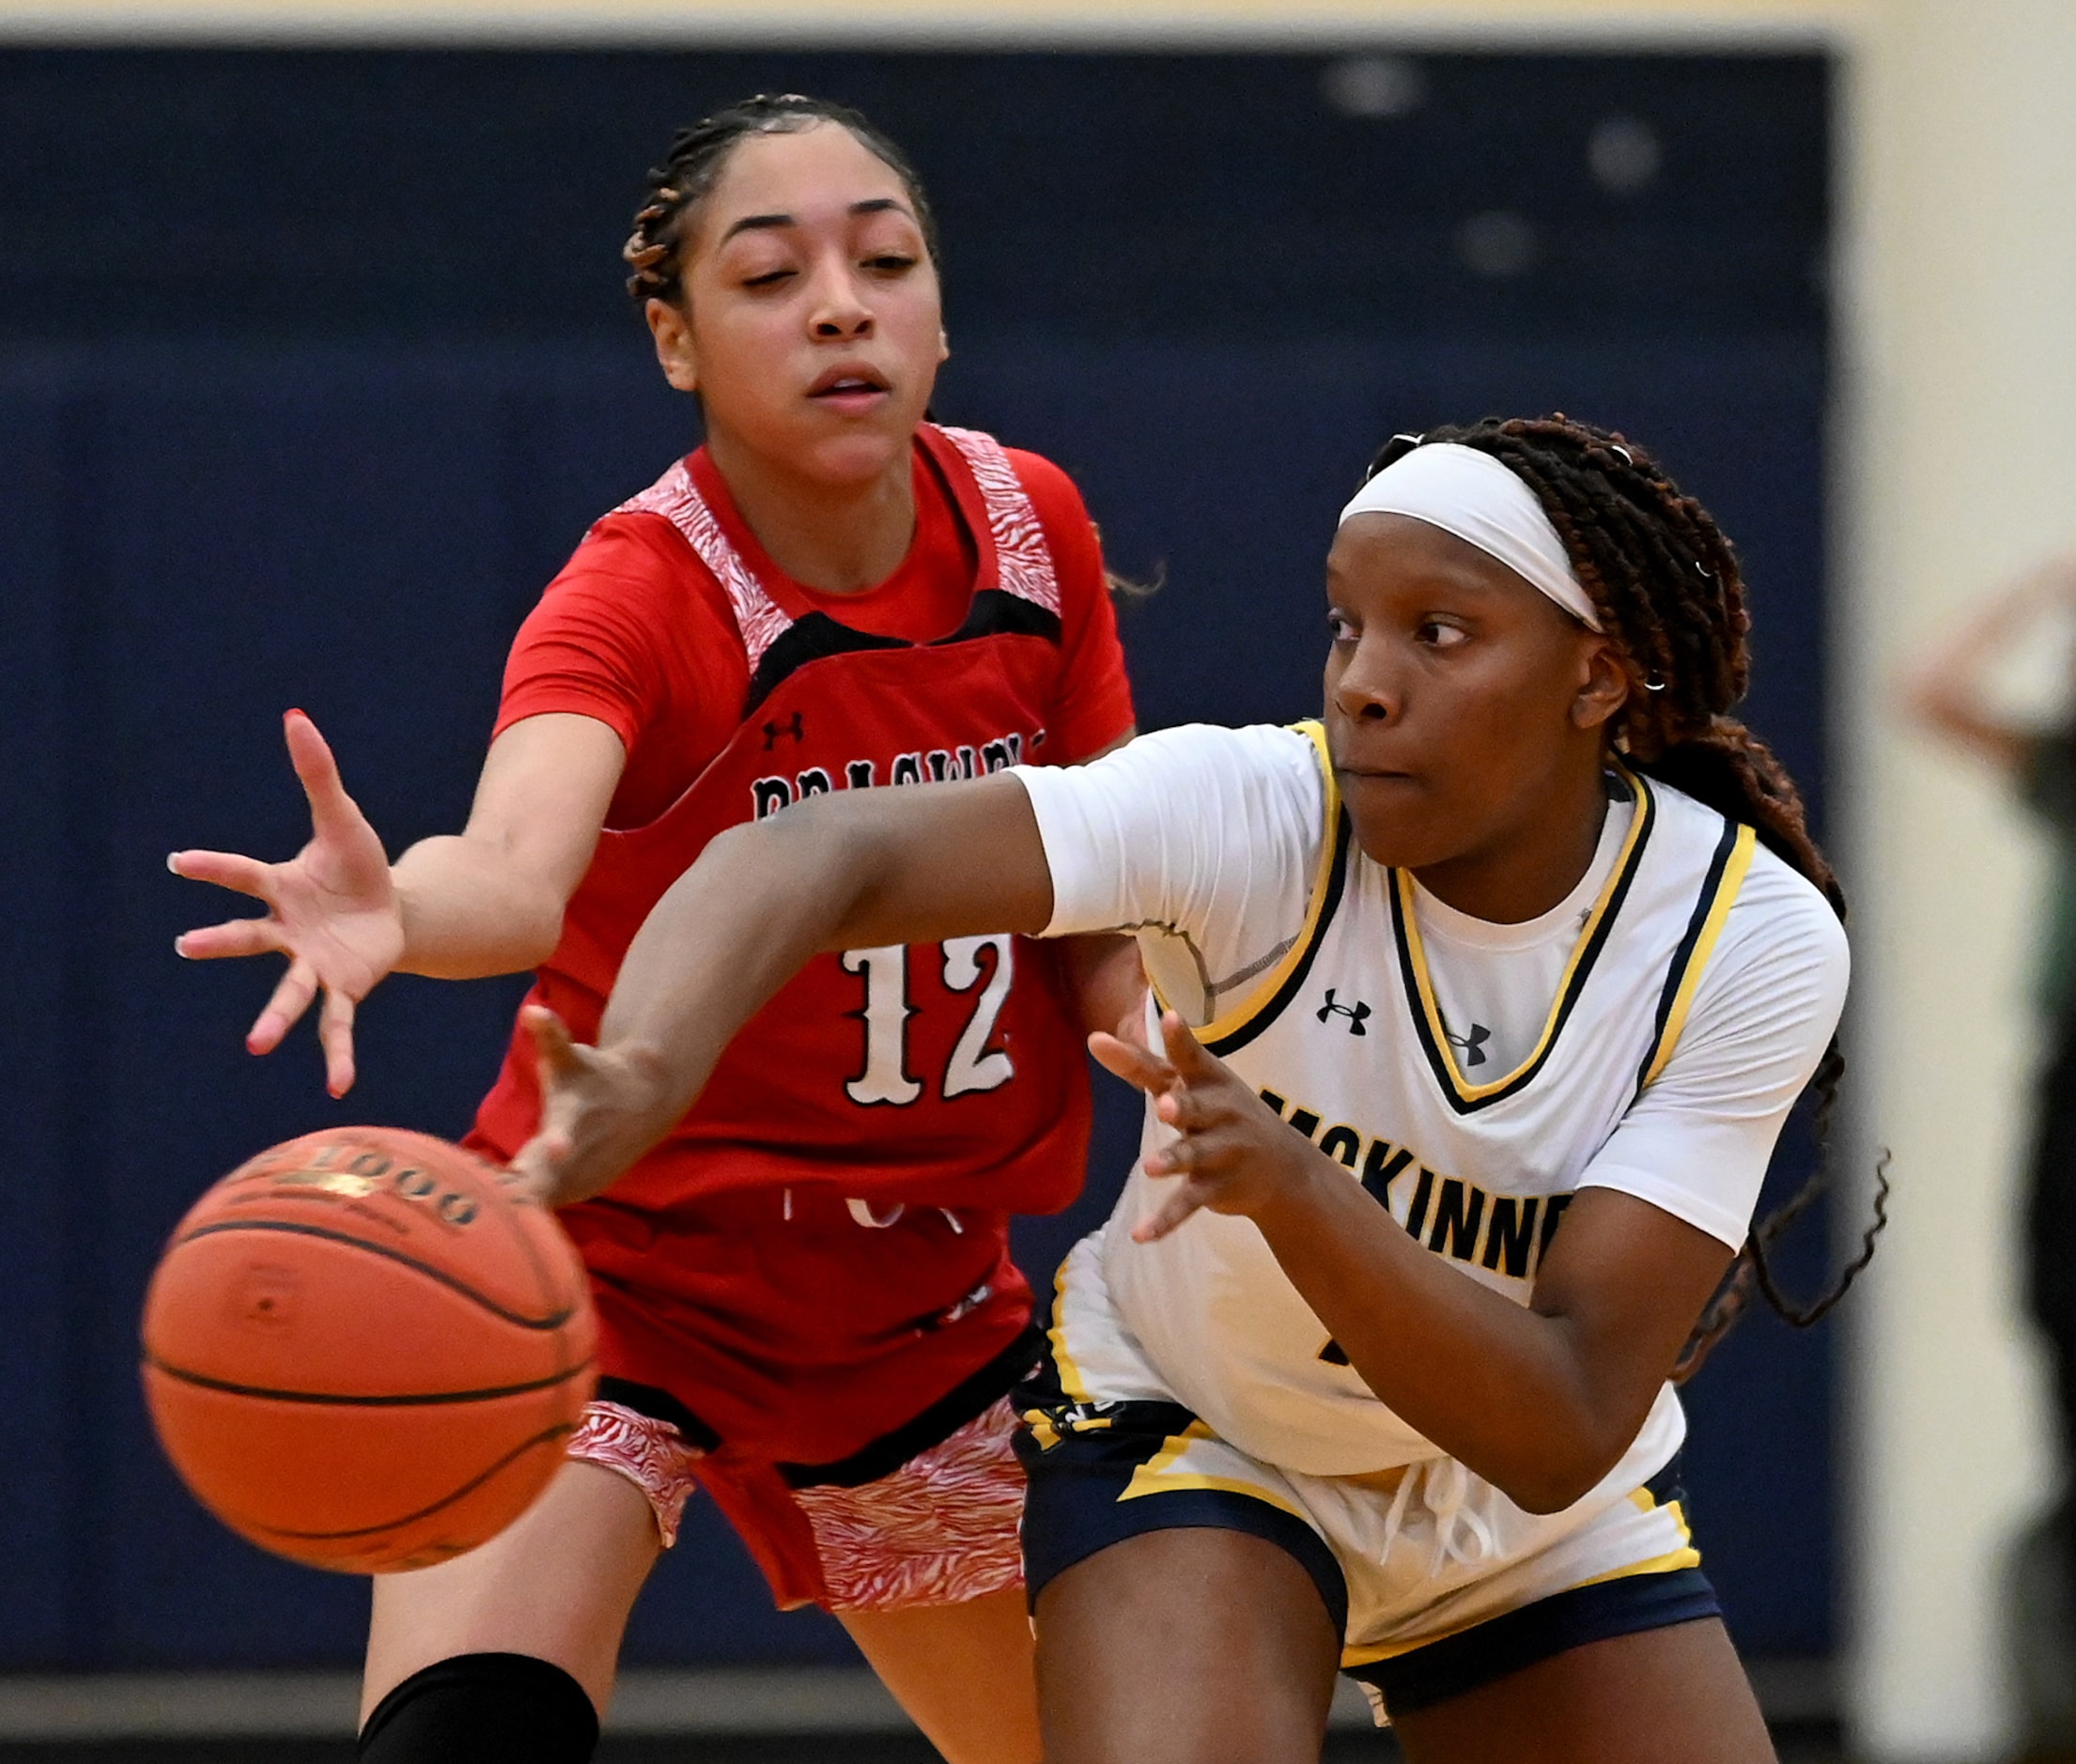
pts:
[1344, 1038]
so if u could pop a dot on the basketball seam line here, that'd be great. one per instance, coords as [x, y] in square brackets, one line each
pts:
[467, 1488]
[425, 1268]
[430, 1400]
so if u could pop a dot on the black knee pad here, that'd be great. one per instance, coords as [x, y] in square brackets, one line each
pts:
[483, 1709]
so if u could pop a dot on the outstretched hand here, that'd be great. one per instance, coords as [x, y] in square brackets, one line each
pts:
[332, 910]
[600, 1110]
[1233, 1155]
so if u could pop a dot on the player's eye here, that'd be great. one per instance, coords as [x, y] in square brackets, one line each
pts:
[890, 262]
[1441, 634]
[1339, 627]
[770, 278]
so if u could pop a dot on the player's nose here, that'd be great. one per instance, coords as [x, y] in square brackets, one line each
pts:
[840, 308]
[1371, 687]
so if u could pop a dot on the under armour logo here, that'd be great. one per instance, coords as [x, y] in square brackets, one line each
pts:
[1357, 1014]
[772, 731]
[1473, 1044]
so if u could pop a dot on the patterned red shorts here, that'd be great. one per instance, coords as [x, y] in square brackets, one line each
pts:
[939, 1530]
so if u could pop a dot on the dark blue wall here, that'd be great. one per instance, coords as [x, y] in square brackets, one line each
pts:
[318, 374]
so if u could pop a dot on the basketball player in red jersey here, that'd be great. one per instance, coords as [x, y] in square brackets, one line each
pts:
[805, 1295]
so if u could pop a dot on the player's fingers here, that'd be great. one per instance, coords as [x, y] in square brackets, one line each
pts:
[235, 937]
[225, 869]
[331, 811]
[1176, 1204]
[290, 999]
[1185, 1053]
[555, 1049]
[335, 1036]
[539, 1161]
[1183, 1110]
[1131, 1062]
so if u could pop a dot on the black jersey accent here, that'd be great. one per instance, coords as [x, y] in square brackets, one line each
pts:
[996, 612]
[1438, 1062]
[815, 635]
[808, 639]
[1336, 885]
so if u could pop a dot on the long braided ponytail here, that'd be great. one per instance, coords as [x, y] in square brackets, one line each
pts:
[1670, 596]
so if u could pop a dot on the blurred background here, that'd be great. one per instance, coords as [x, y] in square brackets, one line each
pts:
[316, 366]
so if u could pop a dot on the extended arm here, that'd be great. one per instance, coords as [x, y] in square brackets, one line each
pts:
[842, 871]
[1946, 693]
[489, 900]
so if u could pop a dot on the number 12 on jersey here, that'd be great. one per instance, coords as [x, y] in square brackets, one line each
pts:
[973, 1066]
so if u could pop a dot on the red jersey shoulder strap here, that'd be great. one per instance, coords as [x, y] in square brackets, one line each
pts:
[1023, 560]
[760, 620]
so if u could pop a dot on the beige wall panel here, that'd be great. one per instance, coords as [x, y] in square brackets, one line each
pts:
[1963, 280]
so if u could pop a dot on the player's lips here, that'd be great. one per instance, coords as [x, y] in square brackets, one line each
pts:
[850, 387]
[1359, 775]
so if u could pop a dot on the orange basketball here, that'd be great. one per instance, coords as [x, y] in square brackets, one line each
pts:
[363, 1350]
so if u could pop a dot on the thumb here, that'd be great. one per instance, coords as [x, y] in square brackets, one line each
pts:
[538, 1162]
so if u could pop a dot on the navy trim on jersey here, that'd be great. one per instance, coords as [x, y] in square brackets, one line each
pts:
[1073, 1505]
[1337, 885]
[1704, 905]
[1437, 1061]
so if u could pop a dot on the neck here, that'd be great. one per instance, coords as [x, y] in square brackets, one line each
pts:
[1526, 871]
[837, 538]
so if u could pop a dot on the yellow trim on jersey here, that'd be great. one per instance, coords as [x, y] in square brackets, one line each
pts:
[1438, 1035]
[1241, 1014]
[1719, 911]
[1157, 1476]
[1071, 1381]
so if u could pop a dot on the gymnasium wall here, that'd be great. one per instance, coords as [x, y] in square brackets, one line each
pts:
[317, 368]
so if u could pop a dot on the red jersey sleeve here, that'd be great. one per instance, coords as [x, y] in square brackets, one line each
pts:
[623, 635]
[1094, 704]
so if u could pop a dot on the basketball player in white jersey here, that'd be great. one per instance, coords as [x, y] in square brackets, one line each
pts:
[1481, 1005]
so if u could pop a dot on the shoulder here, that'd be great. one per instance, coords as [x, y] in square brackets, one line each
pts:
[1781, 923]
[1054, 493]
[632, 564]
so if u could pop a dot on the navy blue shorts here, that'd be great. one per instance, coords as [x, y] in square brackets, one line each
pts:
[1080, 1459]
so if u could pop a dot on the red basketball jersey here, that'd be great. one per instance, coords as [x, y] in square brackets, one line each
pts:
[942, 1076]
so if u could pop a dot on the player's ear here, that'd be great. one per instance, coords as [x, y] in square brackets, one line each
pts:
[944, 346]
[1603, 686]
[673, 334]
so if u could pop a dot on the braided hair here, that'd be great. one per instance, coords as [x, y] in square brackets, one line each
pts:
[1667, 585]
[699, 154]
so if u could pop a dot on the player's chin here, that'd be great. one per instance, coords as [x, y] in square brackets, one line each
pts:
[839, 449]
[1395, 822]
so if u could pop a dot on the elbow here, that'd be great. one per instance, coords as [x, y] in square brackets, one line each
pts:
[1560, 1477]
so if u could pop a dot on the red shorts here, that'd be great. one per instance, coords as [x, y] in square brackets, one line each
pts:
[835, 1379]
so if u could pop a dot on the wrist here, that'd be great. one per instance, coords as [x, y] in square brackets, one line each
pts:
[1296, 1195]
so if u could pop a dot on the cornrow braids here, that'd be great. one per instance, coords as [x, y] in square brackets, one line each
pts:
[1670, 596]
[696, 158]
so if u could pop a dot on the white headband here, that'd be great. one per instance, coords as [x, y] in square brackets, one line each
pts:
[1472, 495]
